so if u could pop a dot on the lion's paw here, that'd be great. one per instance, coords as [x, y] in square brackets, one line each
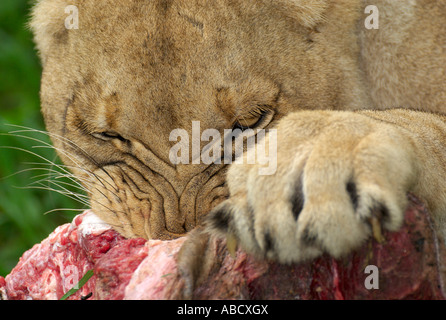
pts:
[340, 177]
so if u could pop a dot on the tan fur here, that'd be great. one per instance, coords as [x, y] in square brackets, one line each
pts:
[136, 70]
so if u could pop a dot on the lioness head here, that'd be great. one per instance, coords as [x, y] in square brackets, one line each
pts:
[116, 86]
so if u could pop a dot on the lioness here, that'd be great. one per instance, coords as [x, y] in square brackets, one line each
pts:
[357, 113]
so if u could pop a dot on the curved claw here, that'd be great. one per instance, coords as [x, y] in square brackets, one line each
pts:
[195, 260]
[376, 229]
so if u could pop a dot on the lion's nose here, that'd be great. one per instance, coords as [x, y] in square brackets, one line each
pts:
[202, 192]
[141, 203]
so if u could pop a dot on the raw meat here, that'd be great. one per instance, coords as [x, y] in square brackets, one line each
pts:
[409, 265]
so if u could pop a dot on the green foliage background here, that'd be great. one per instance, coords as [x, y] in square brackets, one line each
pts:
[22, 219]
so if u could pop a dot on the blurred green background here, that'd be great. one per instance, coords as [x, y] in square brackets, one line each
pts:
[22, 207]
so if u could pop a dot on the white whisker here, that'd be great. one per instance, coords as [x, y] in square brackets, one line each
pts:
[59, 178]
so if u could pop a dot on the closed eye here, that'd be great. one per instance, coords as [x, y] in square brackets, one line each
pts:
[259, 118]
[108, 135]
